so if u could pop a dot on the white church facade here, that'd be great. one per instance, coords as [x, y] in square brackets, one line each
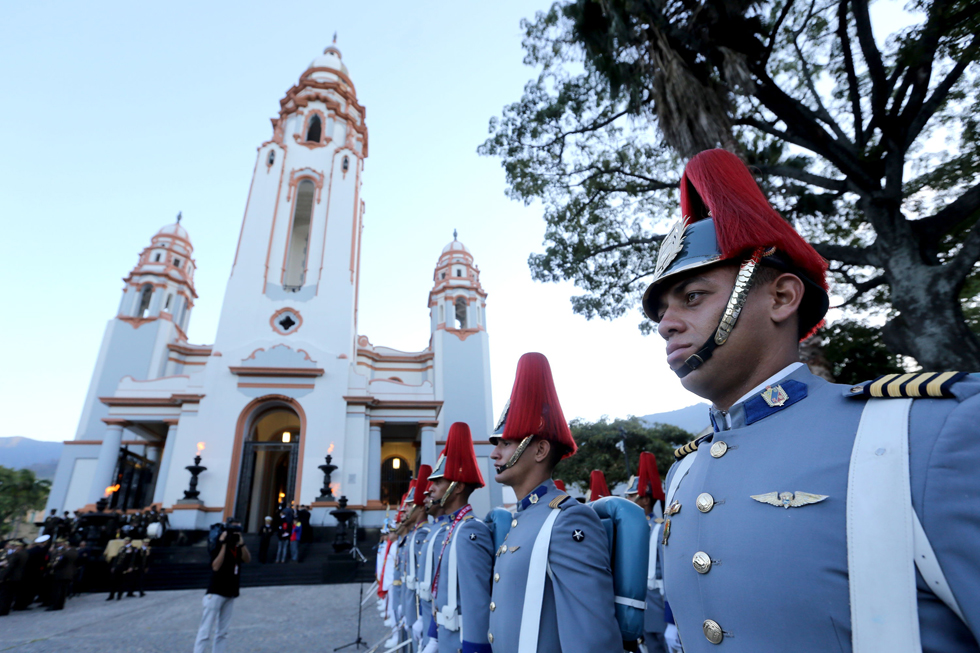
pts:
[288, 380]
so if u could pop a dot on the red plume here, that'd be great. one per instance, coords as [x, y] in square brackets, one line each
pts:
[534, 407]
[597, 486]
[649, 478]
[422, 484]
[717, 181]
[560, 484]
[461, 465]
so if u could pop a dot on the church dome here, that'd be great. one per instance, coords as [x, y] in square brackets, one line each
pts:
[174, 230]
[330, 59]
[455, 246]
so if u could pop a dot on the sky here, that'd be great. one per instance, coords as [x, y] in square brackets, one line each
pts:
[118, 115]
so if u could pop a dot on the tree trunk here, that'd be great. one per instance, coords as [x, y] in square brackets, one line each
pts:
[930, 326]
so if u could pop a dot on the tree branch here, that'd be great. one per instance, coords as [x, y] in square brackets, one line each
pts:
[962, 264]
[591, 128]
[955, 214]
[789, 172]
[631, 241]
[872, 57]
[775, 30]
[846, 254]
[860, 287]
[853, 88]
[930, 106]
[821, 111]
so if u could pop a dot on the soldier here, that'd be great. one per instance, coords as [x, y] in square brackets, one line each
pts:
[646, 491]
[120, 568]
[815, 498]
[461, 587]
[425, 571]
[12, 574]
[557, 595]
[62, 573]
[415, 544]
[141, 563]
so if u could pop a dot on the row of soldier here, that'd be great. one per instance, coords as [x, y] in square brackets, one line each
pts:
[810, 517]
[149, 522]
[50, 571]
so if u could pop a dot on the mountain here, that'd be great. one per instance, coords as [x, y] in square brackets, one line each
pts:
[24, 453]
[692, 418]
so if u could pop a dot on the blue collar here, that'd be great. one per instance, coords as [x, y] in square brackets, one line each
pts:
[781, 394]
[453, 516]
[535, 495]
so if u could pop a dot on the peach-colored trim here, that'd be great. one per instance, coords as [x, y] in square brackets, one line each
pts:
[377, 422]
[288, 386]
[186, 362]
[272, 230]
[295, 177]
[277, 329]
[357, 282]
[326, 221]
[391, 403]
[429, 423]
[141, 443]
[82, 442]
[170, 422]
[354, 219]
[398, 381]
[172, 376]
[381, 358]
[236, 451]
[277, 371]
[301, 137]
[378, 368]
[172, 400]
[114, 421]
[185, 506]
[306, 355]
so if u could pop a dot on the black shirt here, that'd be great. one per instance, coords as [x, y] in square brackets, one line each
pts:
[226, 580]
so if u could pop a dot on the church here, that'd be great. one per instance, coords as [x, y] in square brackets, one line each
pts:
[288, 380]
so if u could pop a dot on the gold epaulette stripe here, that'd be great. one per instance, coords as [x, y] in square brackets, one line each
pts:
[912, 385]
[690, 447]
[557, 501]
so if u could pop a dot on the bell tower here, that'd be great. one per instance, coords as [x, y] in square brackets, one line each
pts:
[297, 263]
[458, 319]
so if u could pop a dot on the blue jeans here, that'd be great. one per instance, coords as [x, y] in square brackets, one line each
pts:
[282, 550]
[294, 550]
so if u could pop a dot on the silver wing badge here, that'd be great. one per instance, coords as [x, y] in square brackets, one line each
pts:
[788, 499]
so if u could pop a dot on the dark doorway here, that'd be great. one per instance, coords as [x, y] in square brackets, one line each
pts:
[134, 478]
[269, 463]
[395, 478]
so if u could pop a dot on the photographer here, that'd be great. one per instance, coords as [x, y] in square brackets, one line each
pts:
[226, 561]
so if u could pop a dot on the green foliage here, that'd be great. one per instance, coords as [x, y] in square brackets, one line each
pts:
[599, 448]
[872, 153]
[856, 352]
[20, 491]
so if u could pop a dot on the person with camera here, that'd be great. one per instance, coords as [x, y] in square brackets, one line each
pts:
[226, 561]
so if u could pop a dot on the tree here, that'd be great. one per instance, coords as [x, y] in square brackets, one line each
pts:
[871, 152]
[20, 491]
[599, 448]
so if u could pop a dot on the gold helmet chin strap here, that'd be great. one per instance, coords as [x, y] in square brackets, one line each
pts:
[743, 283]
[517, 453]
[449, 491]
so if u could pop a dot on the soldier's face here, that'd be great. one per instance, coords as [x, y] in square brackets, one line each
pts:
[438, 489]
[501, 455]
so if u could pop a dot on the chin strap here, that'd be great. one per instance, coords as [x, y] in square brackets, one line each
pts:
[449, 492]
[517, 453]
[743, 282]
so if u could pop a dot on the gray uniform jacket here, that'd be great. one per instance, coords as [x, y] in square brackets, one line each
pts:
[411, 604]
[474, 567]
[778, 578]
[398, 577]
[653, 616]
[578, 614]
[435, 535]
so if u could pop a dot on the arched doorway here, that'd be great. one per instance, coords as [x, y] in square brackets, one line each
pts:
[396, 475]
[270, 455]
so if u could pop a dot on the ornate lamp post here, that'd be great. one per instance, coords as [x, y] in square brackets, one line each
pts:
[191, 493]
[342, 515]
[326, 494]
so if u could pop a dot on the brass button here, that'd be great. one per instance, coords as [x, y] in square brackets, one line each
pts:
[513, 523]
[493, 606]
[702, 563]
[496, 578]
[719, 449]
[490, 637]
[705, 502]
[712, 631]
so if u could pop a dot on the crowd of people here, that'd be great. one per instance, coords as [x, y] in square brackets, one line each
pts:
[809, 517]
[290, 528]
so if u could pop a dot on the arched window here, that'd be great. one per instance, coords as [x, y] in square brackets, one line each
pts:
[272, 157]
[166, 305]
[345, 164]
[315, 130]
[300, 237]
[146, 294]
[395, 477]
[460, 312]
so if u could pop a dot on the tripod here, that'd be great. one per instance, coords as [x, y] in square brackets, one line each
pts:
[359, 642]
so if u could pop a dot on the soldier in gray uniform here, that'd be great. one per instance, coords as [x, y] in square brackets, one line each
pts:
[795, 524]
[461, 588]
[646, 491]
[425, 570]
[554, 593]
[416, 538]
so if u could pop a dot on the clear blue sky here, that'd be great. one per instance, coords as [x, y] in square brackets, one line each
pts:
[118, 115]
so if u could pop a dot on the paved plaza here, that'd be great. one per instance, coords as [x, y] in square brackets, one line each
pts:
[315, 618]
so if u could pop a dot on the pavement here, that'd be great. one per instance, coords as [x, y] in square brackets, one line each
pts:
[309, 618]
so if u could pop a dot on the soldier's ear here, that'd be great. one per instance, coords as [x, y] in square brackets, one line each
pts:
[785, 294]
[542, 448]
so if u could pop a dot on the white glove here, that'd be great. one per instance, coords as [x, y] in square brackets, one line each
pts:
[390, 622]
[392, 641]
[417, 629]
[432, 646]
[672, 639]
[398, 612]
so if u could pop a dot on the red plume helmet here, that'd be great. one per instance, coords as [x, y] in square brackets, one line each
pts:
[597, 486]
[649, 478]
[422, 484]
[461, 465]
[534, 408]
[560, 484]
